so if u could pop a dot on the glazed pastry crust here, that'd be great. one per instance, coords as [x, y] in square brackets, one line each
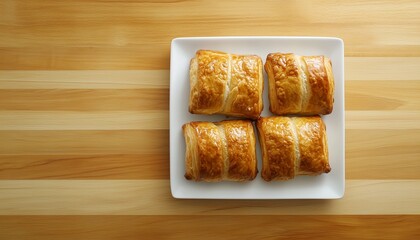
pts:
[240, 141]
[220, 151]
[204, 143]
[229, 84]
[292, 146]
[208, 82]
[299, 84]
[277, 148]
[321, 82]
[313, 147]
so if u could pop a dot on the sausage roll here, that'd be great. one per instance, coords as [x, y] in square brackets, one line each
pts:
[229, 84]
[292, 146]
[299, 85]
[220, 151]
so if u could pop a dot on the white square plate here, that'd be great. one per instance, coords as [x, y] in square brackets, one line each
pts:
[325, 186]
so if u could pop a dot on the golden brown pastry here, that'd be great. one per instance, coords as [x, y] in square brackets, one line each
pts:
[220, 151]
[299, 84]
[229, 84]
[292, 146]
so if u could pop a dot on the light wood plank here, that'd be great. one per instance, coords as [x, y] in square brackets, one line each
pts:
[84, 142]
[67, 57]
[370, 154]
[88, 166]
[85, 99]
[357, 68]
[360, 95]
[128, 58]
[392, 154]
[152, 197]
[210, 227]
[151, 119]
[382, 68]
[85, 120]
[156, 166]
[382, 95]
[382, 120]
[85, 57]
[136, 35]
[344, 12]
[84, 79]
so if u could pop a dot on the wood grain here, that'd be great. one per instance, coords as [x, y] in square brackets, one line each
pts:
[84, 106]
[382, 119]
[159, 119]
[364, 95]
[210, 227]
[392, 154]
[381, 68]
[153, 197]
[85, 142]
[360, 95]
[357, 68]
[85, 166]
[85, 79]
[386, 95]
[136, 35]
[84, 120]
[84, 99]
[370, 153]
[96, 95]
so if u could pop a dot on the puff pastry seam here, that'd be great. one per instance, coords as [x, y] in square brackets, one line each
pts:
[222, 134]
[297, 147]
[229, 77]
[305, 87]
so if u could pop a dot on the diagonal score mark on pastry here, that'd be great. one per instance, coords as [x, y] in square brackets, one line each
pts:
[229, 84]
[220, 151]
[292, 146]
[299, 84]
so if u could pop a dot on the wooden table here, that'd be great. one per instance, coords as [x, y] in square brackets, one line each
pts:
[84, 148]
